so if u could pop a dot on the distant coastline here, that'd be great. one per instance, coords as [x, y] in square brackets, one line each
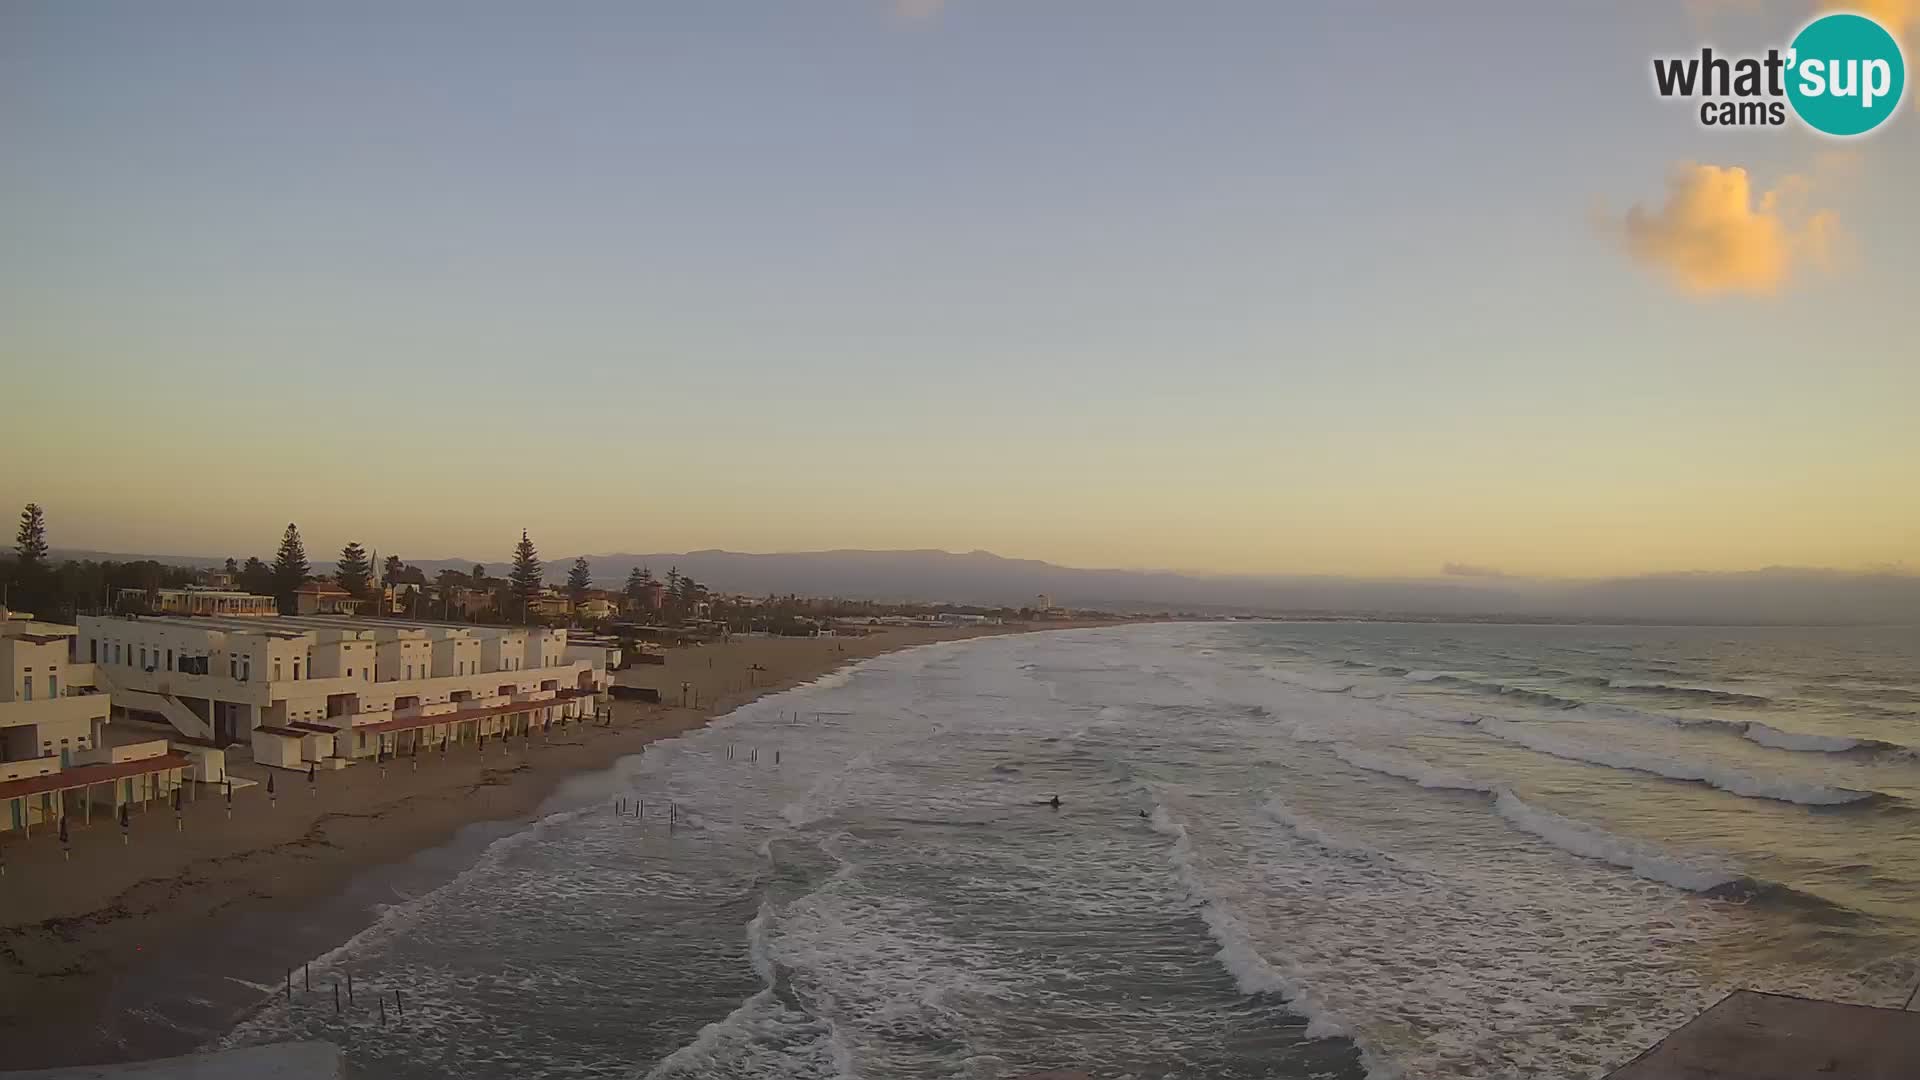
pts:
[1773, 596]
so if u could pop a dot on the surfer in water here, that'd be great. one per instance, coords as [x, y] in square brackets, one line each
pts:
[1054, 802]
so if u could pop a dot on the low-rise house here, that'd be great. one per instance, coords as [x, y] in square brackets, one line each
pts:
[323, 598]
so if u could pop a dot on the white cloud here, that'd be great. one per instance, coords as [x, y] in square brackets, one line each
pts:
[1715, 235]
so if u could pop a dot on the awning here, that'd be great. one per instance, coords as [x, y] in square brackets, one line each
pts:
[412, 722]
[88, 775]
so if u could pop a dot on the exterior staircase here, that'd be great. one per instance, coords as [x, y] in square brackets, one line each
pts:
[184, 720]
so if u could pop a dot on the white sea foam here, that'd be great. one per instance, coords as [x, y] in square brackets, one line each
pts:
[761, 1036]
[1693, 875]
[1722, 776]
[1306, 828]
[1240, 955]
[1792, 740]
[1420, 772]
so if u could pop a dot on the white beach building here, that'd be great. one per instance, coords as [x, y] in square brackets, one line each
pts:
[54, 756]
[322, 690]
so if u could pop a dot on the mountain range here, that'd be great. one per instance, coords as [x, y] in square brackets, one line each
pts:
[1773, 595]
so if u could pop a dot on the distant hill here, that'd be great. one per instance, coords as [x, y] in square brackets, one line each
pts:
[983, 578]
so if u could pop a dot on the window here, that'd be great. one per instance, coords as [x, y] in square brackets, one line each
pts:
[53, 686]
[276, 671]
[246, 667]
[169, 659]
[233, 667]
[349, 673]
[29, 685]
[93, 650]
[143, 656]
[296, 669]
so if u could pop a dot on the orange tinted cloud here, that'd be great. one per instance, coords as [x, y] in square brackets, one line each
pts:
[1715, 236]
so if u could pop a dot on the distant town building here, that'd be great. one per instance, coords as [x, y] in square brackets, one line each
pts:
[195, 600]
[1043, 602]
[597, 608]
[323, 598]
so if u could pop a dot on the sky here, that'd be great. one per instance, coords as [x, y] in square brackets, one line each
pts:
[1360, 289]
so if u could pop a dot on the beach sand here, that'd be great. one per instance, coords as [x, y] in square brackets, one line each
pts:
[72, 933]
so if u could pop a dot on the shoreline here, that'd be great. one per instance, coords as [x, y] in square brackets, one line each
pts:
[88, 946]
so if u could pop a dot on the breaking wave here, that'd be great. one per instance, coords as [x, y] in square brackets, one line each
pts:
[1714, 774]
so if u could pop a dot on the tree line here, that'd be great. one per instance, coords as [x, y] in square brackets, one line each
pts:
[31, 581]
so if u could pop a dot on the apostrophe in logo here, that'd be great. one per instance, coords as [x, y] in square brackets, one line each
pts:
[1847, 74]
[1843, 75]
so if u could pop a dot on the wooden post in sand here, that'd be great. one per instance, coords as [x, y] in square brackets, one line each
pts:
[306, 976]
[399, 1004]
[126, 825]
[349, 987]
[178, 824]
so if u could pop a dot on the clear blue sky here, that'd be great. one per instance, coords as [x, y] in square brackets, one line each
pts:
[1234, 286]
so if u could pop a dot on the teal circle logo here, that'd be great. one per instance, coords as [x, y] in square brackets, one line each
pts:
[1847, 74]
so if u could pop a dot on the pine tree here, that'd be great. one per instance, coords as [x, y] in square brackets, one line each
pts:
[479, 575]
[354, 573]
[636, 583]
[233, 566]
[579, 579]
[290, 569]
[524, 580]
[31, 542]
[256, 577]
[393, 569]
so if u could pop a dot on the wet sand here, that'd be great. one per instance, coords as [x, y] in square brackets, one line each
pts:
[83, 942]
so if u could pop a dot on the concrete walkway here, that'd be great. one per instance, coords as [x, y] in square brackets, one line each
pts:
[1753, 1036]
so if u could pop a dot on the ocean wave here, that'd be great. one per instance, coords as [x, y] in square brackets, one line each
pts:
[1252, 972]
[1714, 774]
[1693, 875]
[1707, 876]
[1314, 833]
[1420, 772]
[1756, 732]
[1710, 694]
[1485, 685]
[763, 1035]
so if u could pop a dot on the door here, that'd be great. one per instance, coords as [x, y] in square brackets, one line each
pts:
[66, 758]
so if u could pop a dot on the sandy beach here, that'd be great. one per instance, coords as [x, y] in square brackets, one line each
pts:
[71, 932]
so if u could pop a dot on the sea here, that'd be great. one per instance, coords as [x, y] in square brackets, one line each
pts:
[1280, 850]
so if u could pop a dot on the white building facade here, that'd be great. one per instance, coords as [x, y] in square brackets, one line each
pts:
[342, 687]
[54, 757]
